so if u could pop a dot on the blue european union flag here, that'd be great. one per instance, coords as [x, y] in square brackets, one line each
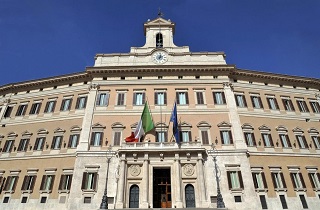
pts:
[174, 119]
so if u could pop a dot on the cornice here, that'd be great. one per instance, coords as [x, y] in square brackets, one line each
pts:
[167, 49]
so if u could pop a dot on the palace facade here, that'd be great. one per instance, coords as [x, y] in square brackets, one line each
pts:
[62, 138]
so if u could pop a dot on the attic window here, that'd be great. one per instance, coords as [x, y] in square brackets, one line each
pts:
[159, 40]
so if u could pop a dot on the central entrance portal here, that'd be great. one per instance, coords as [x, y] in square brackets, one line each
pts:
[161, 188]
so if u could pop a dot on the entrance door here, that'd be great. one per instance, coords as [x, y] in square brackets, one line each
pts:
[161, 188]
[134, 197]
[190, 199]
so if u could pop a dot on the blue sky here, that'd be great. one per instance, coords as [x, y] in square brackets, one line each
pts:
[42, 38]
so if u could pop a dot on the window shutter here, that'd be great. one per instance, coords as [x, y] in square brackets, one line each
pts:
[274, 180]
[291, 104]
[276, 102]
[229, 179]
[205, 138]
[236, 99]
[52, 182]
[78, 139]
[62, 104]
[53, 142]
[187, 98]
[255, 183]
[134, 98]
[70, 141]
[244, 100]
[44, 140]
[253, 139]
[269, 104]
[11, 146]
[95, 176]
[101, 138]
[62, 182]
[283, 181]
[190, 137]
[284, 104]
[177, 97]
[36, 144]
[2, 182]
[84, 180]
[302, 180]
[264, 180]
[313, 110]
[143, 98]
[6, 185]
[69, 107]
[15, 183]
[85, 102]
[260, 102]
[70, 181]
[44, 177]
[288, 141]
[221, 137]
[77, 103]
[116, 140]
[54, 106]
[305, 141]
[240, 179]
[47, 106]
[98, 99]
[156, 98]
[311, 180]
[230, 136]
[61, 139]
[93, 135]
[214, 97]
[165, 97]
[223, 98]
[25, 183]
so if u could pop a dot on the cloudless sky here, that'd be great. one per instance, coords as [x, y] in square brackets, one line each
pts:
[44, 38]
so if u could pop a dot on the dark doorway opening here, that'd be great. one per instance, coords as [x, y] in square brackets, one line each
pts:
[162, 188]
[134, 197]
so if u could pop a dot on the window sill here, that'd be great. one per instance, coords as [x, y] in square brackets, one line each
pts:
[316, 189]
[88, 191]
[45, 191]
[281, 189]
[8, 191]
[63, 191]
[262, 190]
[300, 189]
[26, 191]
[236, 190]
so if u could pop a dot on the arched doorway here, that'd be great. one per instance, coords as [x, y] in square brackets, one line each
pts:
[134, 197]
[190, 198]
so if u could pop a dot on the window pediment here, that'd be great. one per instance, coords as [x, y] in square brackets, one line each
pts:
[204, 124]
[118, 125]
[59, 130]
[224, 124]
[161, 125]
[12, 135]
[185, 124]
[42, 131]
[75, 128]
[26, 134]
[247, 126]
[297, 130]
[98, 125]
[281, 128]
[264, 128]
[313, 131]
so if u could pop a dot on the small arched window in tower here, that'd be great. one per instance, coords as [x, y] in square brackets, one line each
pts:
[159, 40]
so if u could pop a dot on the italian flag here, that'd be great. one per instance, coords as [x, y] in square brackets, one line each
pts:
[145, 124]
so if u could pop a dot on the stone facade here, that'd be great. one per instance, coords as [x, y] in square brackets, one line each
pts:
[62, 138]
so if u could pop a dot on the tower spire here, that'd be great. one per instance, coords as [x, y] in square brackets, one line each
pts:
[160, 14]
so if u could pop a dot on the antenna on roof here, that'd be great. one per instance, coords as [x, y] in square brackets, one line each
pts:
[160, 14]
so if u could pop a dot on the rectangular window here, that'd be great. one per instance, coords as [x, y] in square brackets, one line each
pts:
[11, 183]
[8, 146]
[199, 96]
[96, 138]
[219, 98]
[285, 141]
[73, 140]
[50, 107]
[272, 102]
[263, 202]
[259, 180]
[39, 143]
[302, 106]
[297, 180]
[250, 139]
[89, 181]
[315, 180]
[315, 106]
[65, 182]
[120, 99]
[103, 99]
[234, 180]
[66, 104]
[283, 201]
[256, 102]
[316, 141]
[302, 142]
[287, 103]
[160, 98]
[205, 137]
[28, 182]
[138, 98]
[22, 110]
[303, 201]
[182, 98]
[8, 112]
[161, 136]
[23, 145]
[47, 182]
[185, 136]
[241, 100]
[278, 180]
[56, 142]
[226, 137]
[267, 140]
[43, 199]
[81, 102]
[116, 138]
[35, 108]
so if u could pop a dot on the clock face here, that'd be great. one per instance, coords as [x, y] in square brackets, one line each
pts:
[159, 57]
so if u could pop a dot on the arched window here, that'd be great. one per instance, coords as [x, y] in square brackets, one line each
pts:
[159, 40]
[190, 198]
[134, 197]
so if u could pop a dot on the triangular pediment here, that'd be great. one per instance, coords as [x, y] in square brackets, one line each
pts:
[159, 22]
[297, 130]
[264, 128]
[224, 124]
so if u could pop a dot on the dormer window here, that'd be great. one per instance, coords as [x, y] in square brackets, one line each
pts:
[159, 40]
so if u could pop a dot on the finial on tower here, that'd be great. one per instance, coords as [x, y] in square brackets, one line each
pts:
[160, 14]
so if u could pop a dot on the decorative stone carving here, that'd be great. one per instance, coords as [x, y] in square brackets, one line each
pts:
[228, 84]
[134, 170]
[188, 169]
[94, 86]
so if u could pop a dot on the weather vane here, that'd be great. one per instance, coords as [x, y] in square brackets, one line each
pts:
[160, 14]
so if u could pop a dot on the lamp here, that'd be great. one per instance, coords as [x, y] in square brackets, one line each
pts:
[104, 201]
[213, 152]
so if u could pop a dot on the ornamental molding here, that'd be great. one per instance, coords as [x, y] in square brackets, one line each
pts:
[134, 170]
[94, 86]
[188, 169]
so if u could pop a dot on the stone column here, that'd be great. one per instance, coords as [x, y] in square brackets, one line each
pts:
[121, 184]
[239, 142]
[145, 194]
[201, 182]
[178, 177]
[87, 119]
